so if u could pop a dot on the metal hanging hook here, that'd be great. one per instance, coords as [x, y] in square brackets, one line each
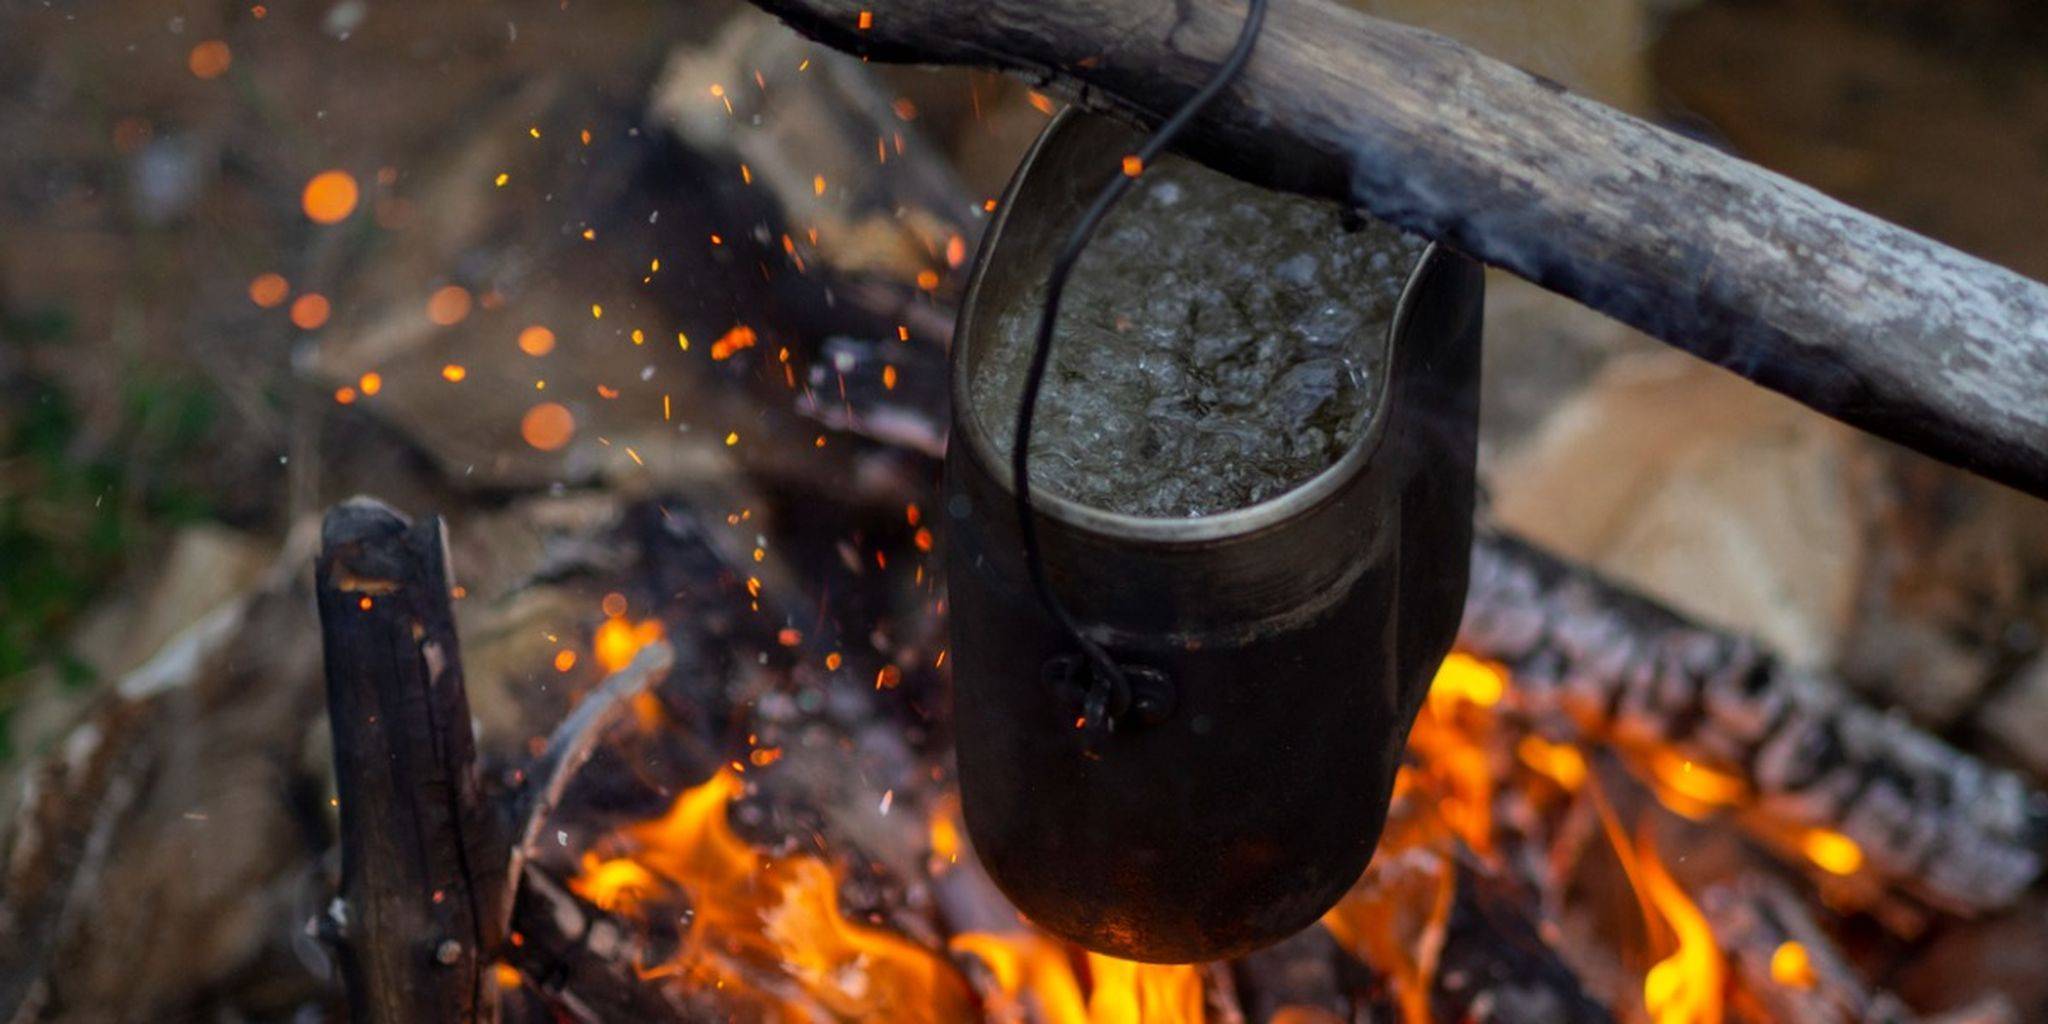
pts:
[1111, 689]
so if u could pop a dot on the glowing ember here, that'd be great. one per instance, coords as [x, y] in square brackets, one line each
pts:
[1465, 678]
[738, 339]
[536, 341]
[1691, 788]
[1559, 762]
[1791, 966]
[616, 885]
[329, 197]
[269, 290]
[619, 639]
[310, 311]
[1833, 852]
[547, 426]
[448, 305]
[209, 59]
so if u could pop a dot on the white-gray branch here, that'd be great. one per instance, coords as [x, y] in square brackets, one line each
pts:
[1858, 318]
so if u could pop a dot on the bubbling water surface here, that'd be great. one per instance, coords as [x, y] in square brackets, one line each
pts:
[1218, 344]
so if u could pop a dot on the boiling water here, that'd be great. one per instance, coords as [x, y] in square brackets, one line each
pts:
[1218, 344]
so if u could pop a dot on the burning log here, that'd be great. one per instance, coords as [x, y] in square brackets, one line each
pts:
[1787, 965]
[1854, 791]
[590, 964]
[423, 857]
[582, 960]
[1860, 319]
[1496, 967]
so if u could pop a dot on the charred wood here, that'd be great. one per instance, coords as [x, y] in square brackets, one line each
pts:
[423, 857]
[1496, 967]
[1785, 964]
[1590, 657]
[580, 959]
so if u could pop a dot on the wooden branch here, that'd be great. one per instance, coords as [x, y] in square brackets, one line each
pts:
[1754, 916]
[1862, 320]
[575, 740]
[423, 860]
[1590, 657]
[583, 961]
[1493, 947]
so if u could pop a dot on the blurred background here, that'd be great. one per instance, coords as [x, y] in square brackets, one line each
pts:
[536, 264]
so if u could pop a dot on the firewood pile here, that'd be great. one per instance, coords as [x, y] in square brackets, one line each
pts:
[648, 720]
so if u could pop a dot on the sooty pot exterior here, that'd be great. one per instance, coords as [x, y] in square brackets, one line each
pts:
[1299, 635]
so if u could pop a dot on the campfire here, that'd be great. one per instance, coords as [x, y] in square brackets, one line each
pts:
[1593, 820]
[652, 721]
[1516, 867]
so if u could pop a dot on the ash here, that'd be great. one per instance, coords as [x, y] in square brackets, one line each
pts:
[1218, 345]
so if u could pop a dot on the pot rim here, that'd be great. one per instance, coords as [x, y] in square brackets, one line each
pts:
[1196, 530]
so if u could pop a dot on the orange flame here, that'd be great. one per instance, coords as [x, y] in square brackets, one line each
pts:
[1035, 980]
[1397, 918]
[619, 639]
[768, 930]
[1792, 966]
[1685, 987]
[739, 338]
[1690, 788]
[774, 922]
[1451, 744]
[1833, 852]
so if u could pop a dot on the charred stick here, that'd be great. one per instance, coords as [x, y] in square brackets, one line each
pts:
[1496, 966]
[1589, 656]
[1861, 319]
[583, 961]
[575, 740]
[1785, 962]
[423, 861]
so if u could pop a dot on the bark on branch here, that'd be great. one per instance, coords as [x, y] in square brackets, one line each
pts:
[1858, 318]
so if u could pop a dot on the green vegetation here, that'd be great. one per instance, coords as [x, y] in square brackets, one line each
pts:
[74, 508]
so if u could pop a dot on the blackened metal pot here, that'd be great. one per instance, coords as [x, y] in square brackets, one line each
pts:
[1298, 635]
